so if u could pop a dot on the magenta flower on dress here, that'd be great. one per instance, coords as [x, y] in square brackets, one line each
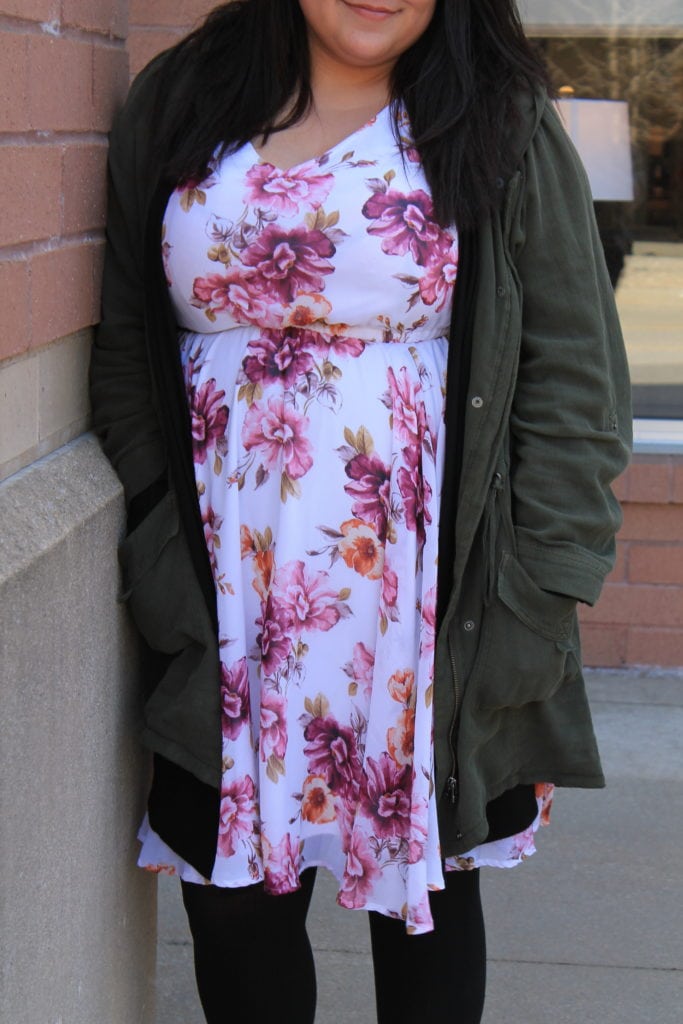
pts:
[362, 667]
[212, 523]
[209, 419]
[235, 292]
[436, 285]
[327, 345]
[416, 493]
[281, 865]
[298, 190]
[234, 698]
[428, 624]
[288, 262]
[409, 418]
[385, 796]
[360, 873]
[405, 223]
[333, 754]
[370, 490]
[273, 729]
[277, 355]
[273, 640]
[278, 431]
[236, 814]
[304, 599]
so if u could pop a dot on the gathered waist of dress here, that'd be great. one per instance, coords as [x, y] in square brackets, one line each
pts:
[339, 337]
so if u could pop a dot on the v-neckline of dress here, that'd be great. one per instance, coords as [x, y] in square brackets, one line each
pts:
[324, 157]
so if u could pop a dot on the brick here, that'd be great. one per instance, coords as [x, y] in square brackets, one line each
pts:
[60, 88]
[618, 573]
[652, 522]
[13, 82]
[603, 646]
[14, 308]
[655, 647]
[656, 563]
[620, 487]
[31, 207]
[650, 482]
[677, 489]
[110, 84]
[32, 10]
[84, 187]
[184, 15]
[108, 16]
[62, 292]
[637, 604]
[143, 45]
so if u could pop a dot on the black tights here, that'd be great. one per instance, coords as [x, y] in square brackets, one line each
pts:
[254, 962]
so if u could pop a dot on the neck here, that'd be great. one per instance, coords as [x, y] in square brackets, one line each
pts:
[342, 87]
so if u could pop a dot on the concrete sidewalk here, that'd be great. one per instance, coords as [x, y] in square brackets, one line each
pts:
[588, 930]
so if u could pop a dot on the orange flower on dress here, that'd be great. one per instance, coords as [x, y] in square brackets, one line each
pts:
[361, 549]
[402, 687]
[246, 541]
[401, 738]
[263, 570]
[317, 805]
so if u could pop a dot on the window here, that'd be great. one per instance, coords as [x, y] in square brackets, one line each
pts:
[632, 52]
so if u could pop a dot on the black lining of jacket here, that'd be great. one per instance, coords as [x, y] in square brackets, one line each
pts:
[183, 810]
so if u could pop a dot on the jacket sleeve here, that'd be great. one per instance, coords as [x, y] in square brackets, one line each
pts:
[122, 396]
[571, 421]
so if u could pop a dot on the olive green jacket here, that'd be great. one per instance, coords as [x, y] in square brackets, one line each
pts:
[547, 428]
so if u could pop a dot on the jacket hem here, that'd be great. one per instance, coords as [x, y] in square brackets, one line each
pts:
[179, 755]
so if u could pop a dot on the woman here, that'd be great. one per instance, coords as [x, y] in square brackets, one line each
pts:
[318, 207]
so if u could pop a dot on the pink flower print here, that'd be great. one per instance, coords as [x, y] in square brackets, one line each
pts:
[436, 285]
[405, 223]
[360, 873]
[289, 262]
[236, 814]
[409, 419]
[415, 491]
[317, 804]
[333, 755]
[304, 599]
[287, 192]
[277, 355]
[544, 792]
[428, 624]
[362, 667]
[389, 588]
[273, 641]
[273, 729]
[209, 419]
[212, 524]
[385, 796]
[418, 831]
[279, 432]
[328, 345]
[401, 687]
[370, 490]
[234, 292]
[281, 865]
[234, 698]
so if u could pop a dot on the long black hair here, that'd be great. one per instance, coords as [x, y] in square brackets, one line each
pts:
[231, 79]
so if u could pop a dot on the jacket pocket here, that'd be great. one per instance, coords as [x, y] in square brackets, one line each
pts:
[157, 575]
[527, 634]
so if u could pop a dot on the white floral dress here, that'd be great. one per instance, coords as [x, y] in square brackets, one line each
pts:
[315, 306]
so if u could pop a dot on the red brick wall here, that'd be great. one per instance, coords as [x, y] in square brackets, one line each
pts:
[156, 24]
[639, 617]
[63, 69]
